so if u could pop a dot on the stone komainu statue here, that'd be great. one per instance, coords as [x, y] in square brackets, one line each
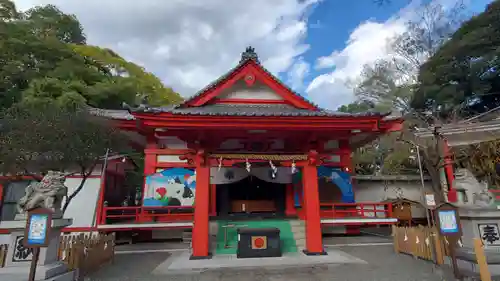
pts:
[477, 191]
[47, 193]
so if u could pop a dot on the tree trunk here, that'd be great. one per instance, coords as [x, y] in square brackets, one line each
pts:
[85, 176]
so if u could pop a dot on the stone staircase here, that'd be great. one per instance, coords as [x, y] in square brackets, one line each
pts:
[299, 233]
[187, 237]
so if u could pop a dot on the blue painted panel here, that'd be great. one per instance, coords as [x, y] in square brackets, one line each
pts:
[337, 176]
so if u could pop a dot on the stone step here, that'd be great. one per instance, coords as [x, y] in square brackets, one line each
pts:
[299, 236]
[296, 223]
[187, 236]
[298, 229]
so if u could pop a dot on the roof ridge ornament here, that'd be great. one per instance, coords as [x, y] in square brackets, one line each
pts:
[249, 54]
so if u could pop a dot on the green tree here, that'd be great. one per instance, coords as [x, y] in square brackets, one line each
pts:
[391, 84]
[464, 74]
[131, 75]
[8, 10]
[37, 138]
[44, 58]
[50, 21]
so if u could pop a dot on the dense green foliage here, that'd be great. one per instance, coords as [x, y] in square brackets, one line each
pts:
[44, 58]
[465, 72]
[445, 68]
[48, 77]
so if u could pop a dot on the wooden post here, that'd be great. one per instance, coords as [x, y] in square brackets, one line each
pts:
[484, 271]
[395, 238]
[438, 246]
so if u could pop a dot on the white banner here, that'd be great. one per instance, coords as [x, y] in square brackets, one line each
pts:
[228, 175]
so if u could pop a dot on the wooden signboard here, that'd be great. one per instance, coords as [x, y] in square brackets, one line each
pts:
[37, 234]
[430, 200]
[448, 224]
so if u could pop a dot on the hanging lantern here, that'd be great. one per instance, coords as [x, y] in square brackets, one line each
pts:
[294, 167]
[248, 166]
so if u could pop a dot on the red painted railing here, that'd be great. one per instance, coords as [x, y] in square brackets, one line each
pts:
[355, 210]
[141, 214]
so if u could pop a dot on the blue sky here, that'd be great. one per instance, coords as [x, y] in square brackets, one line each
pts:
[317, 47]
[348, 34]
[332, 22]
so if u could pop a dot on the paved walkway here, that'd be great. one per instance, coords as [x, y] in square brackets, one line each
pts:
[180, 263]
[380, 263]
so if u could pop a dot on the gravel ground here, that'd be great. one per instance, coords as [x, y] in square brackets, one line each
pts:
[383, 264]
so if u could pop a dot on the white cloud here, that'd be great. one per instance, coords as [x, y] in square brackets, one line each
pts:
[368, 43]
[297, 73]
[190, 43]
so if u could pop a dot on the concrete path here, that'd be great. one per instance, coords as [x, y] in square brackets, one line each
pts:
[180, 263]
[381, 263]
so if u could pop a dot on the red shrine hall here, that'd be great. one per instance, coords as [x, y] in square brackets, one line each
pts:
[246, 148]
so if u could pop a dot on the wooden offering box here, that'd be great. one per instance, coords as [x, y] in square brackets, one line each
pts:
[258, 242]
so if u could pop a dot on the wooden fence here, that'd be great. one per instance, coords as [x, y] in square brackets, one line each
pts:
[3, 254]
[421, 242]
[426, 243]
[85, 253]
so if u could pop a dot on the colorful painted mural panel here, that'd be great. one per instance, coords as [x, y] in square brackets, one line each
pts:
[170, 187]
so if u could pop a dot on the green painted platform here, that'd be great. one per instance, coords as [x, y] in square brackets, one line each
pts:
[286, 235]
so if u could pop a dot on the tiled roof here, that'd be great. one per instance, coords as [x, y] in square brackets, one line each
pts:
[119, 114]
[230, 110]
[253, 110]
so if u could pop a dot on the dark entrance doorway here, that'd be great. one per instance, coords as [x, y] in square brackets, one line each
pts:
[251, 197]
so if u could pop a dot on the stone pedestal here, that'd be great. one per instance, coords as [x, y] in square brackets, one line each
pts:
[482, 223]
[18, 260]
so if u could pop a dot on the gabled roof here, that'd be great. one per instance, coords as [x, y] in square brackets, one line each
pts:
[249, 65]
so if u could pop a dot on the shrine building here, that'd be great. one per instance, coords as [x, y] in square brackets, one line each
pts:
[247, 150]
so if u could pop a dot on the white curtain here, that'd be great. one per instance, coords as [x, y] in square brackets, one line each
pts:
[228, 175]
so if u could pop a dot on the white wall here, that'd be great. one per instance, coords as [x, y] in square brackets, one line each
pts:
[376, 191]
[83, 207]
[257, 91]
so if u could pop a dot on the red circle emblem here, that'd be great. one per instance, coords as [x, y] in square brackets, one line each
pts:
[259, 243]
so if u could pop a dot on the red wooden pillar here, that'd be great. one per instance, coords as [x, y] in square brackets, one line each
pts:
[213, 200]
[290, 202]
[448, 169]
[314, 241]
[201, 208]
[150, 162]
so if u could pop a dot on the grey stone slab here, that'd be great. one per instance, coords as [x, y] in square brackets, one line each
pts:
[381, 264]
[181, 262]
